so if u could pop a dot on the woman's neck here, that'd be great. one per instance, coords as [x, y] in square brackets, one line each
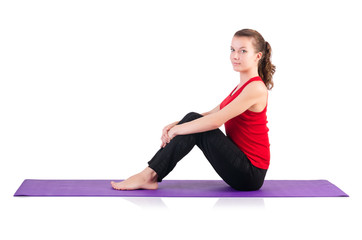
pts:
[245, 76]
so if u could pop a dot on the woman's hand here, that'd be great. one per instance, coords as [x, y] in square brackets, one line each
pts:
[172, 132]
[165, 138]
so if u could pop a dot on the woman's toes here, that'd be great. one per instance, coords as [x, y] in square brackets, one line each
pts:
[115, 185]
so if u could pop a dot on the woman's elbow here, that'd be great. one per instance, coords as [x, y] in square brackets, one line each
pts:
[217, 124]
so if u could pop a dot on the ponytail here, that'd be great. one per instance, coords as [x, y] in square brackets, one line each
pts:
[266, 69]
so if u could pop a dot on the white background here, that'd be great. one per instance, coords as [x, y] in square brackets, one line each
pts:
[87, 86]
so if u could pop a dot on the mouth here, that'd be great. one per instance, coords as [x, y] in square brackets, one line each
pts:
[236, 64]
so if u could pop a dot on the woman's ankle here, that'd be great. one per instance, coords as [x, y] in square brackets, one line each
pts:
[151, 174]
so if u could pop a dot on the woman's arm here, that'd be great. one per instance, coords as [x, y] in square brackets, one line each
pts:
[165, 136]
[216, 109]
[252, 94]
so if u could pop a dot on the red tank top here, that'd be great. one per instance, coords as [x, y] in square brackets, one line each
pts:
[249, 131]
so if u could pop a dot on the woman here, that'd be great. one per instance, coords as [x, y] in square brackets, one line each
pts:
[241, 158]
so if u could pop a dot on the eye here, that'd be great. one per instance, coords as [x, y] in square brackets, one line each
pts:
[243, 51]
[232, 49]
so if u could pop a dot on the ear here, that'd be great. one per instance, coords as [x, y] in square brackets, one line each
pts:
[259, 55]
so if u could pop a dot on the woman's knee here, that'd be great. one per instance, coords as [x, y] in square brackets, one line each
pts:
[190, 116]
[193, 115]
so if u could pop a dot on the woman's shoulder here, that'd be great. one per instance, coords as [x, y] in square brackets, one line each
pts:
[256, 87]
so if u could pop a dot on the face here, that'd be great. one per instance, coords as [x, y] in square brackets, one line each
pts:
[243, 56]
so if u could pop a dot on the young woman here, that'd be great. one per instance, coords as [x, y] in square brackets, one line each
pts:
[241, 158]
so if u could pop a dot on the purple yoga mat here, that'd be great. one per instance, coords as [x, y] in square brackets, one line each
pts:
[179, 188]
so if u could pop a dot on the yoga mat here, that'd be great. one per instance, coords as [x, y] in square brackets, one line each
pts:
[179, 188]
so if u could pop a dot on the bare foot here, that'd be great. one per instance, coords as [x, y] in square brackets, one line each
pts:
[147, 179]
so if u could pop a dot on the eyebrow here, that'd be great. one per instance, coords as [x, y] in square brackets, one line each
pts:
[239, 48]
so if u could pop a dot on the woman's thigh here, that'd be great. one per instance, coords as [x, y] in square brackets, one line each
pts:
[231, 164]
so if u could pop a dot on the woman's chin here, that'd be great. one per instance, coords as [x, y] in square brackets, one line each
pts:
[236, 69]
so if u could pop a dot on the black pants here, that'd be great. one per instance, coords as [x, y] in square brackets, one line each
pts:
[226, 158]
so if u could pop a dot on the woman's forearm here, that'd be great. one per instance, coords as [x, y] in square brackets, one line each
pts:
[203, 124]
[207, 122]
[205, 113]
[216, 109]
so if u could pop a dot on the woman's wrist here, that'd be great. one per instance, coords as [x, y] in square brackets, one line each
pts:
[174, 131]
[177, 130]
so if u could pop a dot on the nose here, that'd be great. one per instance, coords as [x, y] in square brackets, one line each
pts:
[235, 55]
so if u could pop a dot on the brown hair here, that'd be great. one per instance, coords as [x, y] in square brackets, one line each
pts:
[265, 67]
